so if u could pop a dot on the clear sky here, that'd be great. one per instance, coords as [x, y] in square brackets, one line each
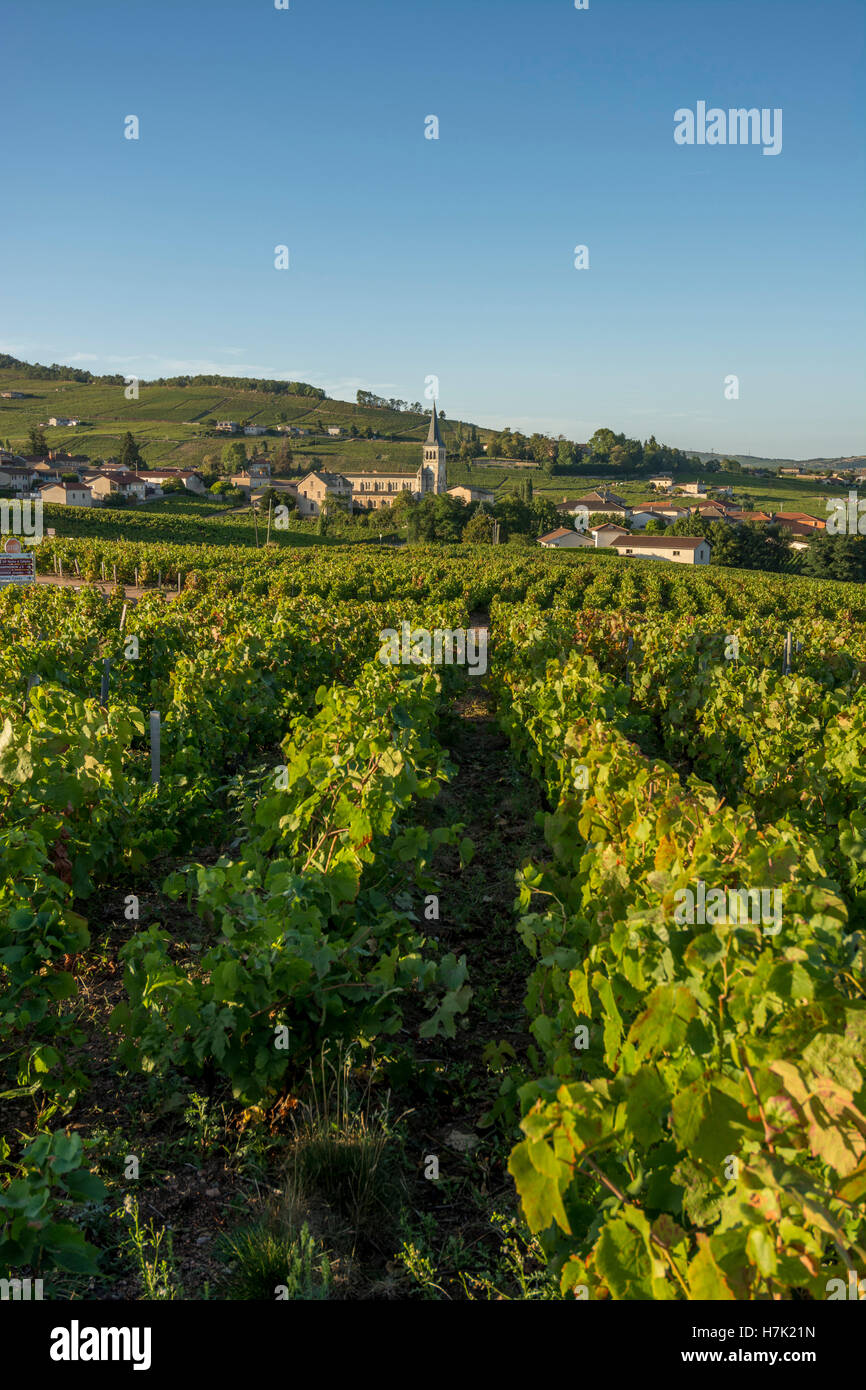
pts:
[453, 257]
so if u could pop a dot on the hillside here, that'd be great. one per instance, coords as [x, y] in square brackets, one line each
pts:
[752, 461]
[169, 422]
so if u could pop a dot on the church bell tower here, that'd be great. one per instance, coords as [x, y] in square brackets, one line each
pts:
[431, 474]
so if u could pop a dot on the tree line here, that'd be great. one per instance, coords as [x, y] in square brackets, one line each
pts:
[558, 455]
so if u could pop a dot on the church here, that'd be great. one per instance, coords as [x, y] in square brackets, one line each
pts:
[368, 491]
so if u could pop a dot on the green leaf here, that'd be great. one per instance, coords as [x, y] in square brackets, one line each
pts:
[706, 1281]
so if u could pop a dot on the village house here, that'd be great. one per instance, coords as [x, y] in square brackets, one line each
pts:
[471, 494]
[13, 395]
[192, 481]
[61, 421]
[662, 484]
[565, 538]
[227, 427]
[712, 511]
[255, 475]
[597, 504]
[667, 511]
[600, 501]
[16, 478]
[46, 471]
[119, 483]
[280, 486]
[737, 514]
[334, 431]
[605, 536]
[638, 517]
[255, 429]
[799, 520]
[692, 489]
[682, 550]
[318, 487]
[67, 494]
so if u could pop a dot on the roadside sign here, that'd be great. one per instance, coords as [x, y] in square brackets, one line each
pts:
[16, 565]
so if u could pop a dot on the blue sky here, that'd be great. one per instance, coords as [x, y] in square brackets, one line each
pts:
[451, 257]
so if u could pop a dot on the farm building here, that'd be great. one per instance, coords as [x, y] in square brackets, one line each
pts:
[682, 550]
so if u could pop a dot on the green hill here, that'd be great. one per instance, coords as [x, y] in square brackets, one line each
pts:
[172, 423]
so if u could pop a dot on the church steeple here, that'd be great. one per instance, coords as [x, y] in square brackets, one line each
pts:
[433, 435]
[431, 474]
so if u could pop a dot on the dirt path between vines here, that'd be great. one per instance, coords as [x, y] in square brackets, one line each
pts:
[131, 592]
[498, 802]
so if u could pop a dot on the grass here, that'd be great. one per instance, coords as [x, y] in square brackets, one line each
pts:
[270, 1260]
[340, 1159]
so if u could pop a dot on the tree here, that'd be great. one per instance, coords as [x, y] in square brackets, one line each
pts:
[402, 504]
[564, 455]
[626, 453]
[130, 456]
[234, 457]
[514, 516]
[283, 457]
[449, 515]
[602, 442]
[545, 517]
[36, 442]
[835, 557]
[479, 529]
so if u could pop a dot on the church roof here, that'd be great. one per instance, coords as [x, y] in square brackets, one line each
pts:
[433, 436]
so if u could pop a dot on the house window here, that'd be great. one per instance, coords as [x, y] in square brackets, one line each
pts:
[676, 552]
